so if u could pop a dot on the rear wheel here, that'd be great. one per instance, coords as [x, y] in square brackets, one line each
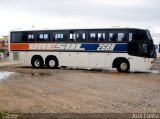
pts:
[37, 62]
[52, 63]
[123, 66]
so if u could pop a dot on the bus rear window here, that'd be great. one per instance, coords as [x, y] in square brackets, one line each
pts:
[16, 37]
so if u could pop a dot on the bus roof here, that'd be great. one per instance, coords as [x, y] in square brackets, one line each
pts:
[87, 29]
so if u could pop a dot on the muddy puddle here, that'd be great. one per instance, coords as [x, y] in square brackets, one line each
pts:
[39, 74]
[5, 74]
[148, 72]
[36, 74]
[155, 72]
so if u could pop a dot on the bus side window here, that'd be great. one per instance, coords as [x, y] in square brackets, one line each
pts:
[40, 37]
[121, 37]
[72, 37]
[43, 37]
[31, 37]
[83, 36]
[28, 37]
[46, 37]
[92, 37]
[80, 36]
[112, 37]
[130, 37]
[101, 37]
[59, 37]
[24, 37]
[77, 36]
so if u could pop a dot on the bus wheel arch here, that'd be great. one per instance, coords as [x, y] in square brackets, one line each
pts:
[51, 62]
[37, 61]
[122, 64]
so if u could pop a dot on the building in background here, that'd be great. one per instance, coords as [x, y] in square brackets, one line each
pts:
[4, 48]
[4, 43]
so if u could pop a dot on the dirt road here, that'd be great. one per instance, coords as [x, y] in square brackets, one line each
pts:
[44, 90]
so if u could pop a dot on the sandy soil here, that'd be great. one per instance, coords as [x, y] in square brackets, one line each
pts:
[83, 91]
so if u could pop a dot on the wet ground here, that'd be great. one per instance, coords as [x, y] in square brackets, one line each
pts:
[30, 90]
[5, 74]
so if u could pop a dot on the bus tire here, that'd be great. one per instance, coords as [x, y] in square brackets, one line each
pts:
[51, 62]
[123, 66]
[37, 62]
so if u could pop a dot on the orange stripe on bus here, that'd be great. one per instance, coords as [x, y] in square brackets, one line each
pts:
[17, 47]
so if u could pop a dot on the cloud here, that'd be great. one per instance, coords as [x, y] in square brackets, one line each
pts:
[103, 9]
[79, 13]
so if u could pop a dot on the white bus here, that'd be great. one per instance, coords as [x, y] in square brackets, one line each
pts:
[126, 49]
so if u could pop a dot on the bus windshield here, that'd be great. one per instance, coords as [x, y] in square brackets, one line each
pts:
[149, 34]
[140, 35]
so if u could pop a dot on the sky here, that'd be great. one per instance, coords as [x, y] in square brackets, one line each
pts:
[62, 14]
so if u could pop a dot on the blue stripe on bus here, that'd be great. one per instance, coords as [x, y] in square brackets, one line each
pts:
[121, 47]
[94, 47]
[159, 48]
[90, 47]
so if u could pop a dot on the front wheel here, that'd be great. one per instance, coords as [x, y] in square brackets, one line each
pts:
[123, 66]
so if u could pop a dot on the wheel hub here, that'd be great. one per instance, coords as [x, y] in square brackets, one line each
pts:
[37, 63]
[52, 63]
[123, 66]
